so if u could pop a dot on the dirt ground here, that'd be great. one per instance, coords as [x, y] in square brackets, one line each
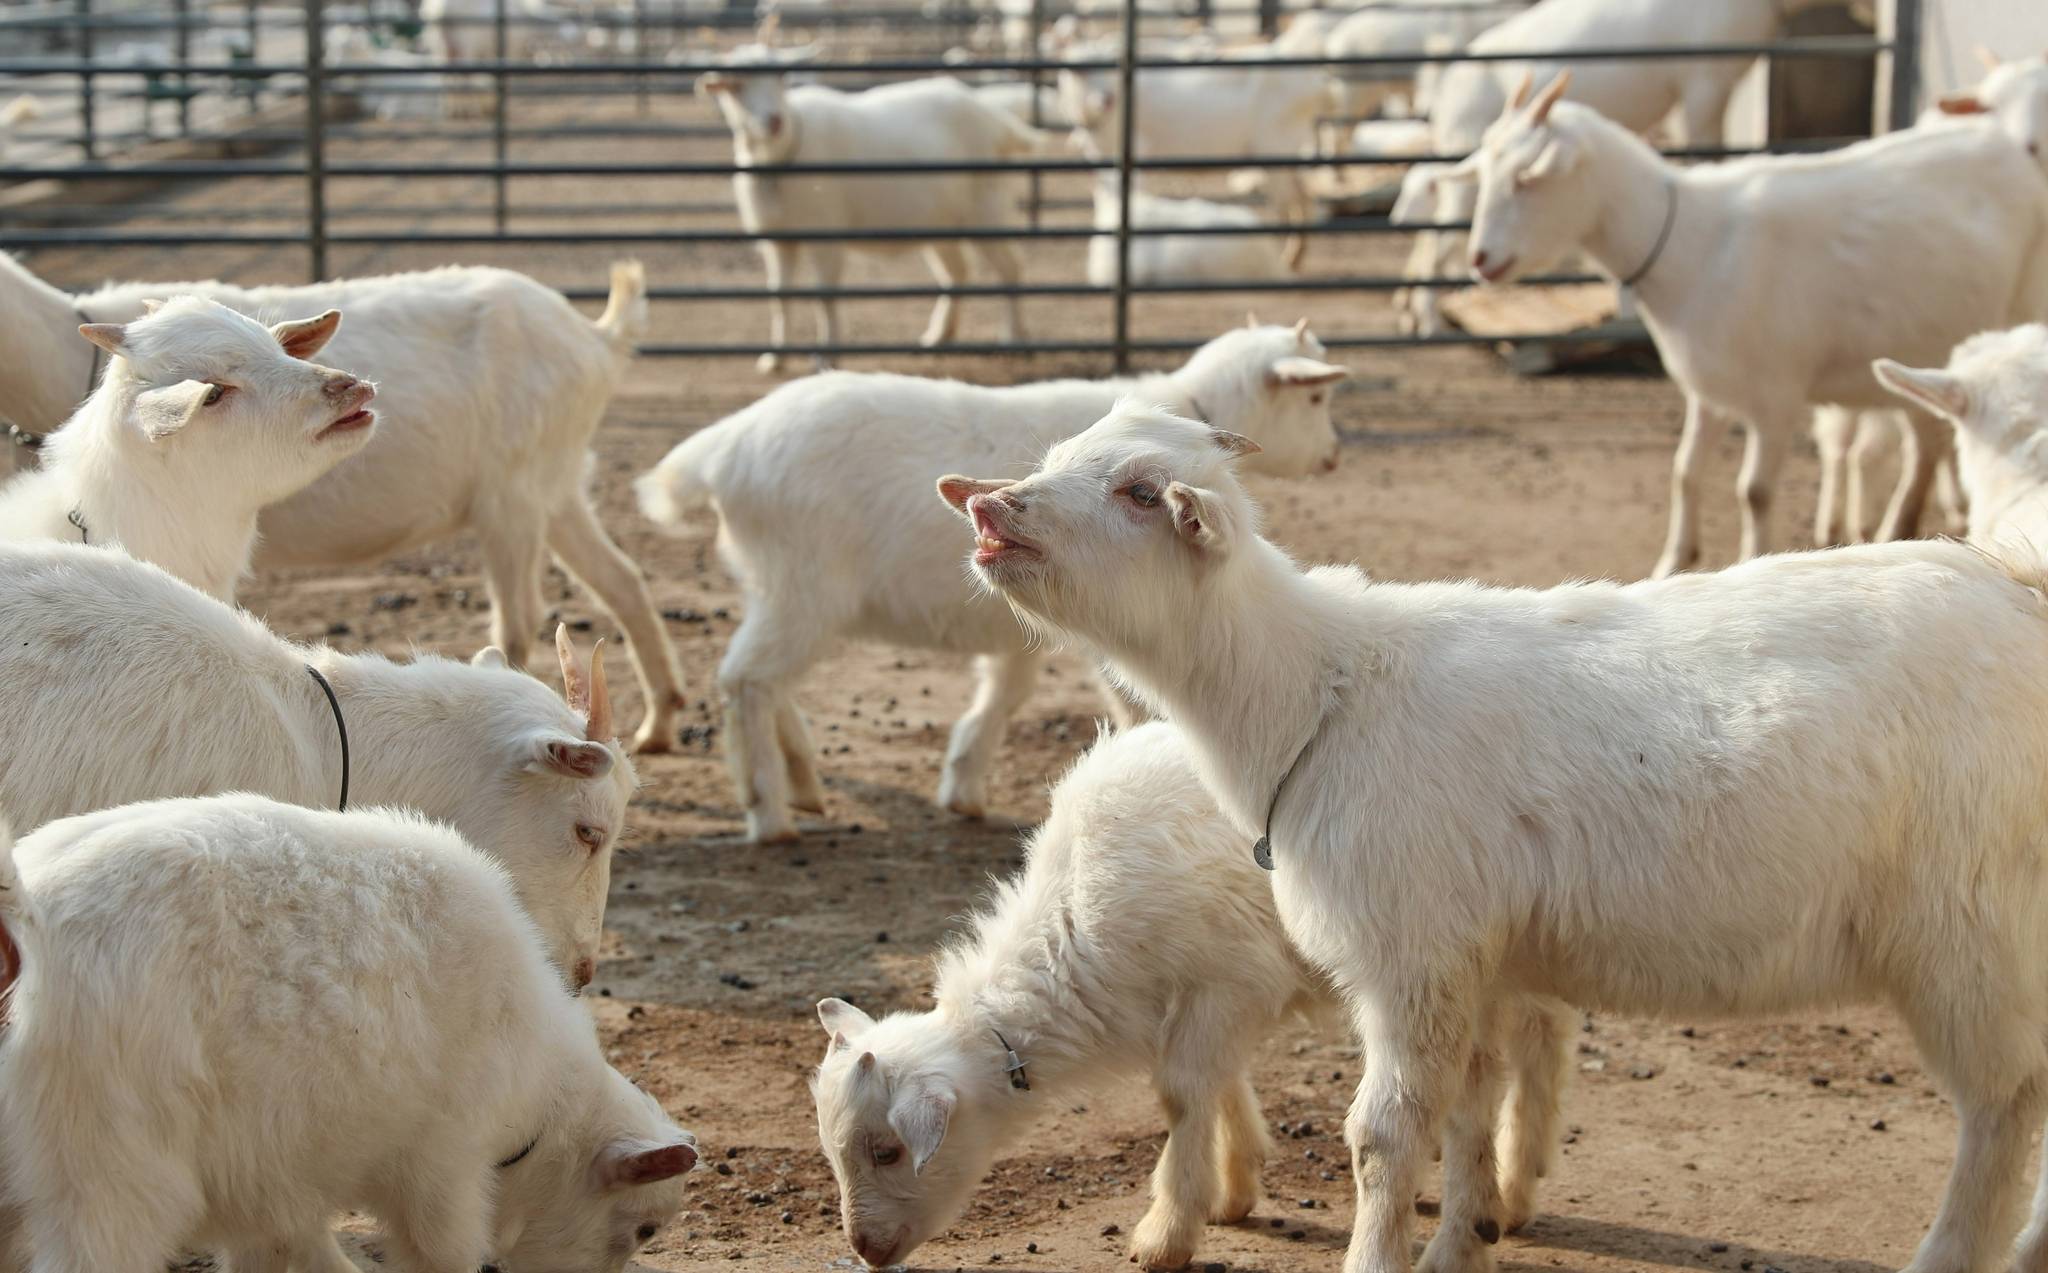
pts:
[1806, 1145]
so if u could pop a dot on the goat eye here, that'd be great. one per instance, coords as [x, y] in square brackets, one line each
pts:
[215, 394]
[646, 1231]
[1143, 494]
[590, 837]
[887, 1155]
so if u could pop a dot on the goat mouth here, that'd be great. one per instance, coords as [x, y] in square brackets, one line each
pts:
[354, 422]
[993, 544]
[1495, 273]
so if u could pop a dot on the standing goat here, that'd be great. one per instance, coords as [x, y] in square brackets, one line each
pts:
[937, 120]
[203, 418]
[492, 388]
[1139, 939]
[1800, 782]
[824, 513]
[118, 683]
[1755, 277]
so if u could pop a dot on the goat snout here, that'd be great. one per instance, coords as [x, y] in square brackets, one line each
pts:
[583, 973]
[875, 1252]
[339, 388]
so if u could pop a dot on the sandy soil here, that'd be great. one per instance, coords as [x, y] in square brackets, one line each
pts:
[1807, 1145]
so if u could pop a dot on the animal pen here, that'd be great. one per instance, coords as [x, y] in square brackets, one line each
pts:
[596, 148]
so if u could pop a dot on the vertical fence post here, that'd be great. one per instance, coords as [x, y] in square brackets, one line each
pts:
[640, 51]
[316, 125]
[88, 138]
[500, 140]
[249, 25]
[1037, 195]
[181, 10]
[1904, 99]
[1127, 98]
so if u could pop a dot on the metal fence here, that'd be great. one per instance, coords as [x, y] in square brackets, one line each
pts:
[249, 73]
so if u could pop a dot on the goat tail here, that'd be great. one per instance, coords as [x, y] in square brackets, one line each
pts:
[624, 320]
[679, 484]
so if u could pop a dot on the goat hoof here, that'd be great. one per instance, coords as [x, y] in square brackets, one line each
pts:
[654, 740]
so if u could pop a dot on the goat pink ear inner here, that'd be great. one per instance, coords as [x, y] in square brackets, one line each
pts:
[108, 336]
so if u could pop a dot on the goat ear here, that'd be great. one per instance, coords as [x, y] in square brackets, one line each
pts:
[1251, 319]
[1961, 104]
[1988, 58]
[568, 756]
[625, 1163]
[957, 490]
[489, 656]
[1197, 517]
[162, 412]
[1936, 391]
[1520, 97]
[919, 1119]
[1296, 372]
[1549, 96]
[151, 305]
[307, 336]
[1233, 444]
[843, 1019]
[1556, 156]
[108, 336]
[712, 83]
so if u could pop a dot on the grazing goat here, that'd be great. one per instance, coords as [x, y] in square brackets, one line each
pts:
[1139, 939]
[235, 1018]
[1743, 793]
[204, 417]
[1994, 393]
[123, 684]
[1754, 276]
[821, 490]
[936, 120]
[492, 386]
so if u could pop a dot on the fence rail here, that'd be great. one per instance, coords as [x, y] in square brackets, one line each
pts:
[252, 69]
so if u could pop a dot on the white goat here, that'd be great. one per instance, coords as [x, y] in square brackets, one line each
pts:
[412, 91]
[1139, 940]
[1755, 276]
[822, 494]
[936, 120]
[204, 417]
[1180, 258]
[118, 683]
[2014, 95]
[1237, 107]
[1691, 94]
[1631, 797]
[1850, 443]
[235, 1018]
[491, 389]
[1386, 30]
[1994, 393]
[1015, 97]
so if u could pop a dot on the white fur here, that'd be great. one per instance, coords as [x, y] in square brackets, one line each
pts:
[118, 683]
[1693, 95]
[1014, 96]
[1994, 393]
[492, 386]
[936, 120]
[1803, 781]
[416, 94]
[1237, 107]
[1760, 300]
[823, 494]
[1179, 258]
[1139, 940]
[236, 1018]
[150, 463]
[1386, 30]
[2012, 94]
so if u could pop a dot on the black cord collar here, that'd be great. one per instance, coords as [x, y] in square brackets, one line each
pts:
[1013, 1065]
[1262, 851]
[341, 729]
[1663, 235]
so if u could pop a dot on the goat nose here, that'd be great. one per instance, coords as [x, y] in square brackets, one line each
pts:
[341, 386]
[585, 970]
[1479, 259]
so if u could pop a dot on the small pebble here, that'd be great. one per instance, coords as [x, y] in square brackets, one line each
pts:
[1307, 1204]
[789, 1217]
[1642, 1072]
[1886, 1079]
[1717, 1247]
[1820, 1080]
[338, 629]
[1215, 1266]
[1877, 1125]
[733, 1151]
[1031, 1248]
[1110, 1230]
[723, 1169]
[881, 939]
[1276, 1223]
[1296, 1235]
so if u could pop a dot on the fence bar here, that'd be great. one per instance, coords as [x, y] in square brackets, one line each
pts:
[316, 155]
[1905, 63]
[88, 144]
[500, 143]
[1127, 79]
[252, 31]
[1037, 120]
[182, 44]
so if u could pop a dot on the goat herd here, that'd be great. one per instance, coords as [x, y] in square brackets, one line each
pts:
[1445, 810]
